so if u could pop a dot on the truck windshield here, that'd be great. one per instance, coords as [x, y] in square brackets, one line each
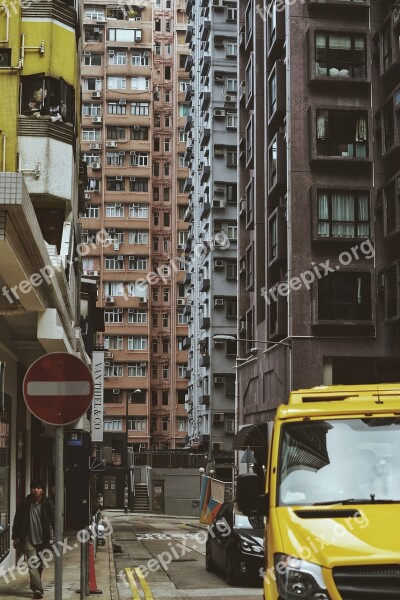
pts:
[343, 460]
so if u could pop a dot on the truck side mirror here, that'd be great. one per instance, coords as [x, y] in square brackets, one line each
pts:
[248, 497]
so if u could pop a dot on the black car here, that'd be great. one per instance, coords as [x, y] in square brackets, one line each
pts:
[235, 543]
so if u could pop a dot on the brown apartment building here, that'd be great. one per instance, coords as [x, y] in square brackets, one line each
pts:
[319, 184]
[133, 88]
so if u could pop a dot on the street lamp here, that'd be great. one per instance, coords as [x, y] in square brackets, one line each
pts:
[127, 475]
[233, 338]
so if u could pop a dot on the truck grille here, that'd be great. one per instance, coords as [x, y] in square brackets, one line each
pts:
[372, 582]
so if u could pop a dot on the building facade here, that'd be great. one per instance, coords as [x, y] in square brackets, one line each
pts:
[211, 247]
[318, 177]
[41, 182]
[133, 83]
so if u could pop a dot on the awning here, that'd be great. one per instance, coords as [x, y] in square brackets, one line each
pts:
[251, 436]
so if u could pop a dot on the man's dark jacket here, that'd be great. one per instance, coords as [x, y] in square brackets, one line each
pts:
[21, 525]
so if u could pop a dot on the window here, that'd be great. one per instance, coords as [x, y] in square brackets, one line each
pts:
[114, 315]
[93, 34]
[231, 13]
[92, 84]
[135, 397]
[166, 295]
[167, 145]
[231, 193]
[113, 288]
[342, 133]
[92, 212]
[139, 133]
[272, 94]
[166, 194]
[137, 342]
[117, 57]
[182, 424]
[340, 55]
[231, 48]
[114, 210]
[138, 211]
[230, 385]
[231, 232]
[182, 371]
[47, 97]
[125, 35]
[386, 40]
[166, 219]
[137, 236]
[5, 445]
[93, 60]
[137, 369]
[115, 133]
[115, 185]
[250, 266]
[182, 318]
[113, 370]
[165, 372]
[182, 134]
[182, 60]
[231, 85]
[137, 316]
[248, 81]
[113, 342]
[231, 270]
[343, 214]
[231, 120]
[273, 237]
[231, 312]
[140, 159]
[140, 108]
[271, 23]
[138, 184]
[182, 237]
[272, 164]
[183, 84]
[167, 72]
[140, 58]
[345, 296]
[91, 135]
[181, 189]
[231, 158]
[165, 319]
[115, 108]
[183, 111]
[93, 185]
[392, 292]
[137, 263]
[387, 126]
[115, 159]
[89, 109]
[140, 83]
[137, 424]
[112, 424]
[165, 423]
[114, 263]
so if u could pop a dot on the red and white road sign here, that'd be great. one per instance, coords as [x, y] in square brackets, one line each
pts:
[58, 388]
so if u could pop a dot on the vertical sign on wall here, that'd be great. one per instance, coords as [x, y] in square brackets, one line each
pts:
[98, 396]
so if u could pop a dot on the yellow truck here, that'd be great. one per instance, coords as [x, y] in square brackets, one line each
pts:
[332, 495]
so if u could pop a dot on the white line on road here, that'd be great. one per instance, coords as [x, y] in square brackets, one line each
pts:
[160, 592]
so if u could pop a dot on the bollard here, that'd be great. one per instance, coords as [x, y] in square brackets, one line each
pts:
[84, 566]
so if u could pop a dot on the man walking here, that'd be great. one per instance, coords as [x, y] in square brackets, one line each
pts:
[31, 532]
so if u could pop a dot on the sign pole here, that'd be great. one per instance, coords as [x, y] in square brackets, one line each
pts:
[59, 511]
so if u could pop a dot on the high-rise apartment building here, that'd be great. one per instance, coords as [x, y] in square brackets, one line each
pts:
[211, 247]
[319, 175]
[133, 83]
[40, 289]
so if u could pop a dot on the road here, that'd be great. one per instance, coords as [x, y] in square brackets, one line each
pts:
[162, 557]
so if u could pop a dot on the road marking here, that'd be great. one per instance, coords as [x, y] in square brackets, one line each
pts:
[132, 584]
[209, 593]
[165, 536]
[146, 588]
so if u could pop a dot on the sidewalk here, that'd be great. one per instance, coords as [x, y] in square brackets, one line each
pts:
[104, 570]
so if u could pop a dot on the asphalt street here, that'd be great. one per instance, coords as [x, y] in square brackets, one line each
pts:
[162, 557]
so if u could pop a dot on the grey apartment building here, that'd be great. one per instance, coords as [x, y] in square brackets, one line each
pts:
[211, 247]
[318, 189]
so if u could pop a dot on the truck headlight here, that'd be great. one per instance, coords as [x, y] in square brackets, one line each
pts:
[297, 578]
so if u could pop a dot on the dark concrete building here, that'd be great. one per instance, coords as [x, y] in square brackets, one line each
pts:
[319, 179]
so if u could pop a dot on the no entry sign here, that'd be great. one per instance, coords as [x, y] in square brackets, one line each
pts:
[58, 388]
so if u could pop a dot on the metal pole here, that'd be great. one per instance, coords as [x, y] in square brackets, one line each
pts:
[59, 510]
[82, 589]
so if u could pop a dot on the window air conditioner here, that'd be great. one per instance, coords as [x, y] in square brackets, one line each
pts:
[218, 204]
[111, 230]
[132, 152]
[136, 127]
[95, 146]
[96, 166]
[116, 391]
[218, 379]
[142, 300]
[180, 302]
[118, 178]
[219, 191]
[121, 152]
[101, 19]
[122, 102]
[108, 355]
[109, 299]
[87, 53]
[111, 52]
[217, 445]
[133, 178]
[218, 301]
[230, 98]
[218, 264]
[116, 246]
[96, 94]
[146, 53]
[118, 205]
[219, 112]
[111, 144]
[131, 257]
[107, 364]
[218, 417]
[96, 119]
[96, 30]
[87, 196]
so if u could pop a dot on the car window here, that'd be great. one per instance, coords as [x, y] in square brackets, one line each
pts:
[243, 522]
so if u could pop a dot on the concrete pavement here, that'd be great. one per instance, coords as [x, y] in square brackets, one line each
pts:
[17, 585]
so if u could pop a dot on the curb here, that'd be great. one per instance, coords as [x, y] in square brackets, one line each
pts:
[111, 565]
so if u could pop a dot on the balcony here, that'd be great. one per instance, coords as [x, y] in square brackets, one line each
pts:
[187, 310]
[204, 399]
[205, 211]
[186, 344]
[205, 30]
[189, 34]
[205, 64]
[188, 187]
[205, 138]
[188, 278]
[189, 123]
[205, 175]
[205, 285]
[341, 8]
[205, 100]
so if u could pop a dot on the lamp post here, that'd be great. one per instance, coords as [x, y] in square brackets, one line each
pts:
[127, 467]
[238, 364]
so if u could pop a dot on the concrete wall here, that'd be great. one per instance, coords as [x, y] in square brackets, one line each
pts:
[181, 491]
